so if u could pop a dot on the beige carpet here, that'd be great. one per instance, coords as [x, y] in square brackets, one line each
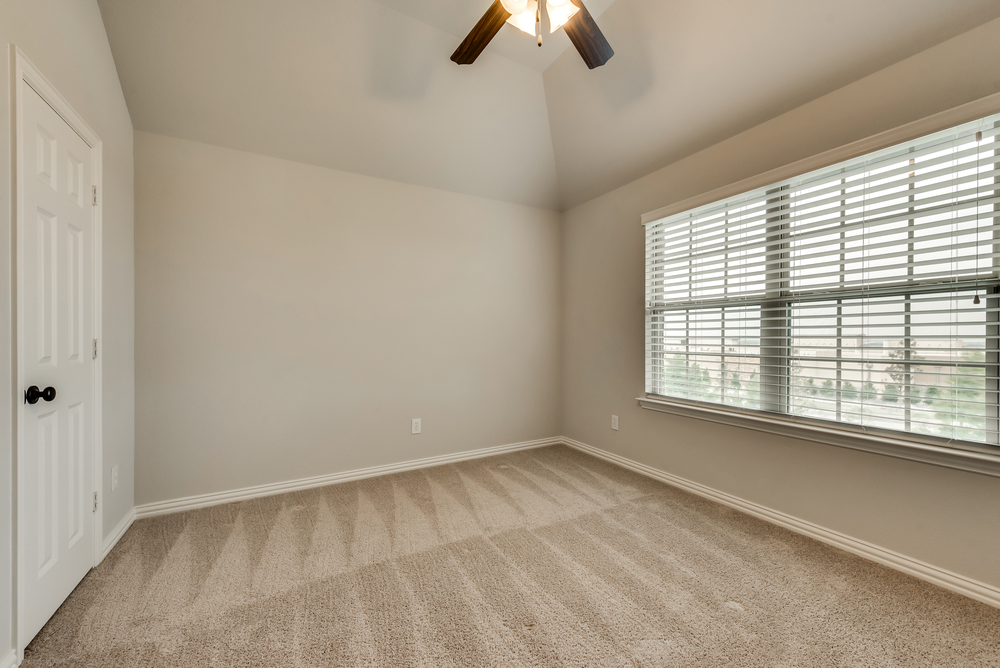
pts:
[540, 558]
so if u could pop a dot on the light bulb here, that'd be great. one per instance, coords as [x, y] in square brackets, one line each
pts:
[560, 11]
[514, 7]
[525, 19]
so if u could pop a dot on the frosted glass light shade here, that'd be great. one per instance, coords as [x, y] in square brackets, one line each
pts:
[525, 19]
[514, 7]
[560, 11]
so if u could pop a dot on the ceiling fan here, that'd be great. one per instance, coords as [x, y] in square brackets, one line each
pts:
[526, 15]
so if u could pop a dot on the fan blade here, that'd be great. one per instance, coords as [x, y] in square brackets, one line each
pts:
[481, 34]
[588, 38]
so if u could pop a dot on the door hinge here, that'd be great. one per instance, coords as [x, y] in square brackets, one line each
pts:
[95, 195]
[95, 502]
[95, 349]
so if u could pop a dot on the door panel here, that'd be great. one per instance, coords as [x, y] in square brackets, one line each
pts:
[74, 293]
[45, 269]
[48, 492]
[56, 293]
[77, 478]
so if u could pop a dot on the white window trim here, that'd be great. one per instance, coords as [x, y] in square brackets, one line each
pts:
[963, 457]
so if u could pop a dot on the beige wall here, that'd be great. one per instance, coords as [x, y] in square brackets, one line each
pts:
[944, 517]
[291, 320]
[66, 41]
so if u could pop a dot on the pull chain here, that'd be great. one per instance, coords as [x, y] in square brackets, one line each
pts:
[538, 21]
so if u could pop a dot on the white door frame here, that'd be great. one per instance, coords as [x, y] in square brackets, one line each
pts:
[26, 74]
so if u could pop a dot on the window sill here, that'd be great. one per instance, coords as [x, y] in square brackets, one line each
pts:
[986, 463]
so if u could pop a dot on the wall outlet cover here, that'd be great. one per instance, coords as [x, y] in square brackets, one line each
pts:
[614, 422]
[114, 478]
[415, 426]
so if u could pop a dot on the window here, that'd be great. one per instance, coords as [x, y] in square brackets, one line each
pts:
[866, 293]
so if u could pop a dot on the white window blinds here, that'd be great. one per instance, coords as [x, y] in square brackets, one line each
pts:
[864, 293]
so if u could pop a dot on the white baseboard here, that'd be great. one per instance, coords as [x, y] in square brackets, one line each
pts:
[9, 661]
[116, 535]
[929, 573]
[205, 500]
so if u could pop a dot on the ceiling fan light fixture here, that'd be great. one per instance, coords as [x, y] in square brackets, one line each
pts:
[560, 11]
[525, 19]
[529, 16]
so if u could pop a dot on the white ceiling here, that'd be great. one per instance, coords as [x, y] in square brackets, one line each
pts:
[367, 86]
[346, 84]
[689, 73]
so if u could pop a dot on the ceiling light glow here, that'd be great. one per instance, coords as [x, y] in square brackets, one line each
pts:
[525, 19]
[514, 7]
[560, 11]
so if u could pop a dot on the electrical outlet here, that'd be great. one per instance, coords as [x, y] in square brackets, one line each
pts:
[415, 426]
[114, 478]
[614, 422]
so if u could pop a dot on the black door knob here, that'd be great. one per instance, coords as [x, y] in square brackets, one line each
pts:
[33, 394]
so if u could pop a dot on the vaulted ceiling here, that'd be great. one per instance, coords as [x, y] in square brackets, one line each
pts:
[366, 86]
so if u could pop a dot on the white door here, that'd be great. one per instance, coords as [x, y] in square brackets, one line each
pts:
[56, 274]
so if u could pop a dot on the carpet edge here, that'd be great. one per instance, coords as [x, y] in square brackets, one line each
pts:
[979, 591]
[116, 535]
